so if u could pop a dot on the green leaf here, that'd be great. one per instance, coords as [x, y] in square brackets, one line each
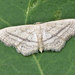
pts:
[20, 12]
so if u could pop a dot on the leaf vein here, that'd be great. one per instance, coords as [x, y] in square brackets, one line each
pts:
[27, 12]
[4, 21]
[38, 65]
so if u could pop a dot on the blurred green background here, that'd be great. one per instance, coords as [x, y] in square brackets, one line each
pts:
[20, 12]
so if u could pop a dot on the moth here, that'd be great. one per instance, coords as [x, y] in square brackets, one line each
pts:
[34, 38]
